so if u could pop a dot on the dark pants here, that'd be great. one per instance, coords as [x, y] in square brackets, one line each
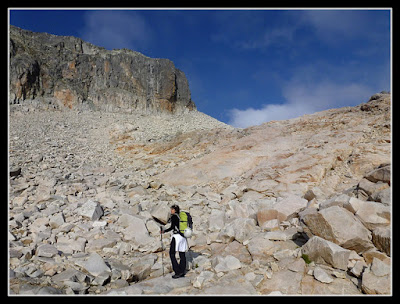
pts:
[181, 267]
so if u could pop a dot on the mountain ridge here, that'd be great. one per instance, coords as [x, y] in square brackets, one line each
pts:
[64, 71]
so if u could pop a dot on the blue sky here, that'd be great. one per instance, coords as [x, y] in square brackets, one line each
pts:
[246, 66]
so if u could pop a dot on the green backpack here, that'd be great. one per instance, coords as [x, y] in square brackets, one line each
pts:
[185, 220]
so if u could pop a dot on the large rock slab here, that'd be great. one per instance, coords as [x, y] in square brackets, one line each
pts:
[339, 226]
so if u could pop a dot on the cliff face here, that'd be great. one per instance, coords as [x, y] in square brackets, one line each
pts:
[64, 71]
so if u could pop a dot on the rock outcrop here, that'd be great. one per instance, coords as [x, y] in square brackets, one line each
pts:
[51, 71]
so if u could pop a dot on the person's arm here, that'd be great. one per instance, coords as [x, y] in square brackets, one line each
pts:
[174, 223]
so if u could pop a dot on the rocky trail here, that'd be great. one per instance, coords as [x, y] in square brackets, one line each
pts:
[295, 207]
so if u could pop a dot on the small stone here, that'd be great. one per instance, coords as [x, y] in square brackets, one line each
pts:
[92, 210]
[322, 276]
[57, 220]
[380, 268]
[46, 250]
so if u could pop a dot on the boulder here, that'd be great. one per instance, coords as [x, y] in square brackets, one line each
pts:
[374, 215]
[227, 263]
[380, 268]
[237, 209]
[339, 226]
[376, 279]
[320, 250]
[91, 210]
[380, 174]
[285, 281]
[39, 225]
[100, 243]
[46, 250]
[381, 239]
[70, 274]
[204, 277]
[161, 212]
[353, 204]
[372, 284]
[68, 245]
[374, 253]
[234, 248]
[284, 209]
[358, 268]
[266, 215]
[216, 220]
[383, 196]
[141, 271]
[135, 230]
[94, 264]
[371, 188]
[322, 276]
[260, 247]
[280, 235]
[153, 228]
[298, 265]
[338, 200]
[57, 220]
[270, 225]
[239, 229]
[339, 286]
[230, 287]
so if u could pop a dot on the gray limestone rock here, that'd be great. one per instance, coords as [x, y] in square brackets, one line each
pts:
[46, 250]
[322, 276]
[91, 210]
[94, 264]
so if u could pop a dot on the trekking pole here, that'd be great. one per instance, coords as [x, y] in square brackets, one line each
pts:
[162, 252]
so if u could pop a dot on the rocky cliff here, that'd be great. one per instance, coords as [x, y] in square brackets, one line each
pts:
[63, 71]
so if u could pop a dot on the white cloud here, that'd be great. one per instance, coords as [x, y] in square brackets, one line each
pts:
[251, 117]
[302, 98]
[116, 29]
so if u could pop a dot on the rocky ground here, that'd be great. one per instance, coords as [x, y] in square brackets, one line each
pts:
[301, 206]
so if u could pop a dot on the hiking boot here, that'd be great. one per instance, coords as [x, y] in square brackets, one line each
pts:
[178, 275]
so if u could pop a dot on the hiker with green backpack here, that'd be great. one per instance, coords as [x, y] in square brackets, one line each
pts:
[181, 224]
